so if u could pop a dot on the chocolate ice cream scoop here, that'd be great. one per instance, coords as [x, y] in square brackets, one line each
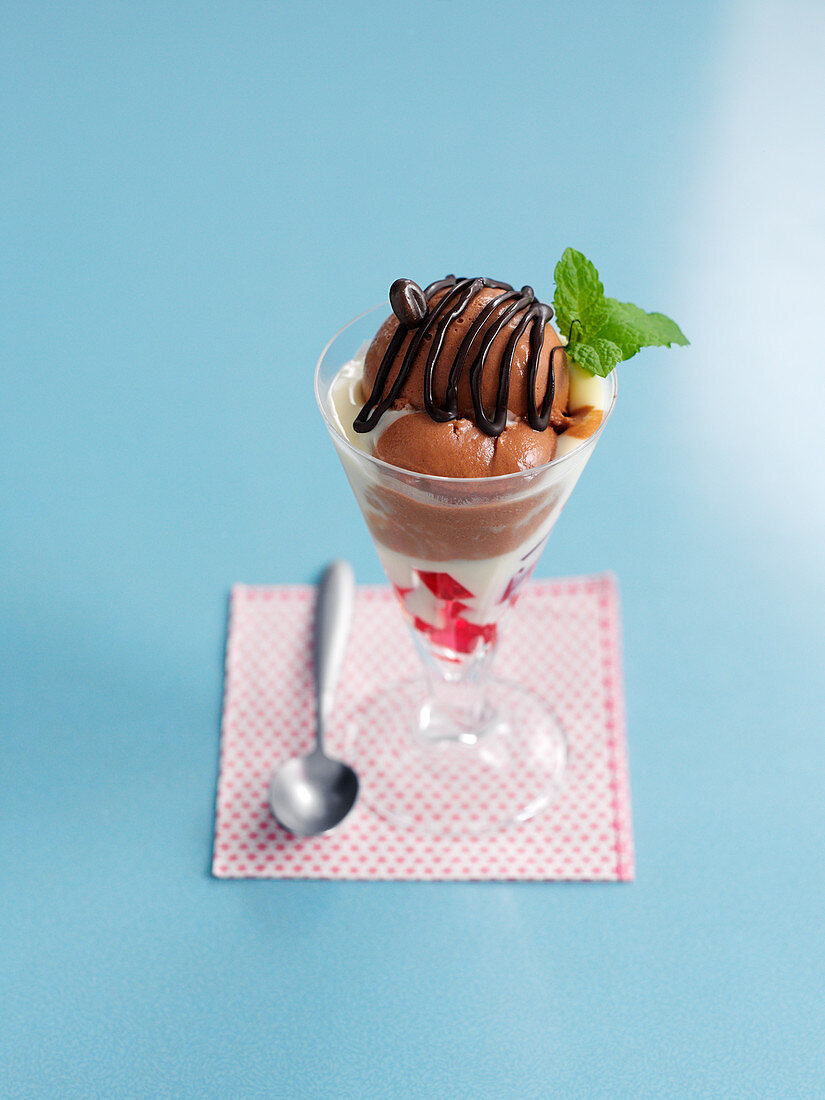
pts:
[480, 351]
[457, 448]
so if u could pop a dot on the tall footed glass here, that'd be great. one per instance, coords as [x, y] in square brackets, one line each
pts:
[455, 750]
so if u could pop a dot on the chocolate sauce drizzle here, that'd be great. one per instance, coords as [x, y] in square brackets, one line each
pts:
[431, 323]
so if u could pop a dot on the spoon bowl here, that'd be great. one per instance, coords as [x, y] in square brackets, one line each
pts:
[312, 794]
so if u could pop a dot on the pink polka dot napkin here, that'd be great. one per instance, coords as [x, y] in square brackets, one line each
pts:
[269, 713]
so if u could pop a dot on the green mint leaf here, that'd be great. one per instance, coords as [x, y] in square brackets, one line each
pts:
[600, 331]
[579, 301]
[632, 328]
[598, 357]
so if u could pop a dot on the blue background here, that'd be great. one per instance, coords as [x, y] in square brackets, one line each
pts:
[195, 197]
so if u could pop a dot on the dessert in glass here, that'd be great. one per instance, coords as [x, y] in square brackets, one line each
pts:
[462, 426]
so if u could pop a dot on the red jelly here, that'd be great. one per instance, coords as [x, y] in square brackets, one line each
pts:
[460, 635]
[516, 582]
[443, 586]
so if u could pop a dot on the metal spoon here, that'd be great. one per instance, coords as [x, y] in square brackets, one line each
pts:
[312, 794]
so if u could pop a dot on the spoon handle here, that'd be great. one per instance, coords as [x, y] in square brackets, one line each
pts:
[333, 618]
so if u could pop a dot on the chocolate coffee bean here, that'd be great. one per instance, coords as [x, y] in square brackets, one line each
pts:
[408, 302]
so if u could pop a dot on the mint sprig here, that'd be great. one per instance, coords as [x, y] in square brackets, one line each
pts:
[603, 332]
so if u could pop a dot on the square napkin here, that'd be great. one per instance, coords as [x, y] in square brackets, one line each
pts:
[562, 639]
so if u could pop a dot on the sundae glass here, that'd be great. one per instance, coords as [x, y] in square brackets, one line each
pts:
[455, 750]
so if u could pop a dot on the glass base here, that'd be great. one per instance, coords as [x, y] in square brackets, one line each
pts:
[418, 770]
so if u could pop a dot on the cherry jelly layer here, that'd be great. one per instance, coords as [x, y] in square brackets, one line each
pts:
[456, 606]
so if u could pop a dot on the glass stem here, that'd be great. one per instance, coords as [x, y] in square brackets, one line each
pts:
[456, 707]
